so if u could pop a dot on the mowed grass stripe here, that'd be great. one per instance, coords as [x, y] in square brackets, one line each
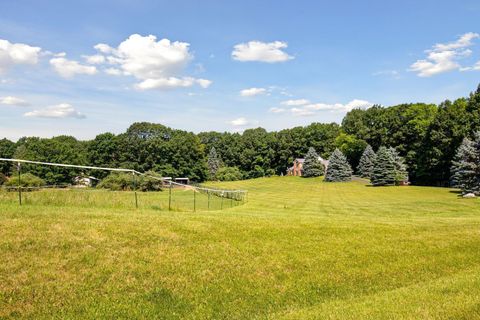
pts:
[300, 248]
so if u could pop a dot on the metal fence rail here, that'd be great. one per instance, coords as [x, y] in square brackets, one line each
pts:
[201, 197]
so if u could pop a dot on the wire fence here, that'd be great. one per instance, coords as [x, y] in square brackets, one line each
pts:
[170, 195]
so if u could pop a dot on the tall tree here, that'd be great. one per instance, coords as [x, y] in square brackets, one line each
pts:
[365, 166]
[7, 149]
[383, 173]
[338, 169]
[465, 166]
[312, 167]
[401, 173]
[213, 162]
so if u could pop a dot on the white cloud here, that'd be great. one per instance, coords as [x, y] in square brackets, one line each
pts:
[60, 111]
[113, 71]
[13, 101]
[104, 48]
[171, 83]
[250, 92]
[158, 64]
[296, 102]
[443, 57]
[17, 53]
[261, 51]
[94, 59]
[69, 68]
[239, 122]
[277, 110]
[313, 108]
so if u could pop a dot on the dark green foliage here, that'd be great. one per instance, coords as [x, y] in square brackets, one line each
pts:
[312, 167]
[384, 169]
[26, 180]
[447, 130]
[229, 174]
[61, 149]
[7, 149]
[213, 163]
[351, 147]
[401, 173]
[465, 166]
[126, 182]
[366, 164]
[339, 169]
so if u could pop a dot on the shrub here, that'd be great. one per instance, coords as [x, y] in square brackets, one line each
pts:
[126, 182]
[26, 180]
[3, 178]
[229, 174]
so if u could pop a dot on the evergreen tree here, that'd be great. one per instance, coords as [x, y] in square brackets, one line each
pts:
[383, 173]
[365, 166]
[312, 167]
[401, 173]
[465, 167]
[339, 169]
[213, 163]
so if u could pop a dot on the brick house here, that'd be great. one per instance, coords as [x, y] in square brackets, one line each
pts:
[297, 168]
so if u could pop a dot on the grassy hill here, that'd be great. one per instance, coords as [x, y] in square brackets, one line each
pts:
[299, 249]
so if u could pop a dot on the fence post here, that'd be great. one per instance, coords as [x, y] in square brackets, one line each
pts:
[135, 189]
[194, 200]
[170, 197]
[208, 204]
[19, 169]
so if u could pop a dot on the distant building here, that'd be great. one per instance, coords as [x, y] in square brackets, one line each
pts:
[84, 181]
[297, 168]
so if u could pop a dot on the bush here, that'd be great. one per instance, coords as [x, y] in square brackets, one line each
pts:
[3, 178]
[126, 182]
[26, 180]
[229, 174]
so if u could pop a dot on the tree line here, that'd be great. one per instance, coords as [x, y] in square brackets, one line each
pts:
[425, 135]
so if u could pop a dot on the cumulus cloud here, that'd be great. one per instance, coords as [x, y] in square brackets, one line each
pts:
[17, 53]
[250, 92]
[157, 64]
[113, 71]
[60, 111]
[295, 102]
[69, 68]
[270, 52]
[239, 122]
[13, 101]
[94, 59]
[443, 57]
[171, 82]
[304, 108]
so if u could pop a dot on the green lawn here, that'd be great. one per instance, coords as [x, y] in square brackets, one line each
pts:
[299, 249]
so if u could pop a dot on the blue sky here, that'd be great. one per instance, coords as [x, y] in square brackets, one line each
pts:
[225, 66]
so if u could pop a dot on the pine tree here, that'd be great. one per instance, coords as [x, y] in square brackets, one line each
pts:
[213, 163]
[365, 166]
[312, 167]
[339, 169]
[465, 166]
[401, 173]
[383, 173]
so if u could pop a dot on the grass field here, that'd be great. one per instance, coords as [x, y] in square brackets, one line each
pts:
[299, 249]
